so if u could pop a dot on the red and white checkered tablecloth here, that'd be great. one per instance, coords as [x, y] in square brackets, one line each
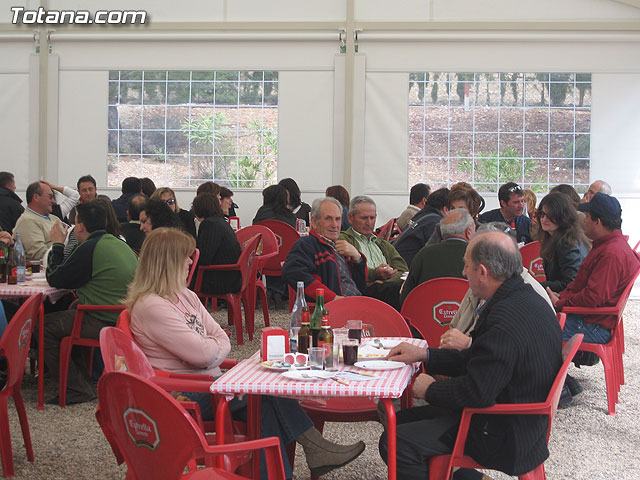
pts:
[22, 290]
[250, 377]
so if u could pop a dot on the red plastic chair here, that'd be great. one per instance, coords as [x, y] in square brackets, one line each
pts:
[610, 353]
[234, 223]
[267, 248]
[286, 236]
[158, 439]
[247, 267]
[67, 344]
[532, 261]
[14, 346]
[390, 230]
[431, 306]
[194, 258]
[387, 322]
[441, 466]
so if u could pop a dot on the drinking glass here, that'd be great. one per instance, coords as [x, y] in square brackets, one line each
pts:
[355, 329]
[316, 357]
[350, 351]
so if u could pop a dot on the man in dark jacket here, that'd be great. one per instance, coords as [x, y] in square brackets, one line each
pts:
[320, 260]
[511, 211]
[514, 357]
[130, 186]
[10, 203]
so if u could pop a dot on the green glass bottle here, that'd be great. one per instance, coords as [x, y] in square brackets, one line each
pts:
[316, 318]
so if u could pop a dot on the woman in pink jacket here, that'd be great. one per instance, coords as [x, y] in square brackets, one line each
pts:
[178, 334]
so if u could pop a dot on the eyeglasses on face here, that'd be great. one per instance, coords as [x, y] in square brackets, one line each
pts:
[170, 201]
[542, 214]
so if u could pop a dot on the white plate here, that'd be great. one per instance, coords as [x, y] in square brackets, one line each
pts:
[272, 365]
[379, 365]
[308, 375]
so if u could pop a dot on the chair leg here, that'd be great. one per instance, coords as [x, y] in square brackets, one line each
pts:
[235, 317]
[65, 356]
[249, 315]
[5, 439]
[537, 473]
[262, 293]
[24, 422]
[438, 467]
[610, 380]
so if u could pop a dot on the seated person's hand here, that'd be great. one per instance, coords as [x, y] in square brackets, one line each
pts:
[58, 233]
[421, 384]
[385, 272]
[345, 249]
[407, 353]
[454, 339]
[5, 237]
[553, 296]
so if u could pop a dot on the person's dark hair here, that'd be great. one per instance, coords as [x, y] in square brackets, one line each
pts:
[418, 192]
[206, 205]
[86, 178]
[208, 187]
[147, 186]
[472, 199]
[502, 263]
[508, 189]
[112, 225]
[32, 189]
[339, 193]
[275, 196]
[131, 185]
[92, 215]
[607, 223]
[225, 192]
[569, 191]
[294, 191]
[498, 227]
[438, 199]
[161, 215]
[560, 211]
[136, 203]
[6, 178]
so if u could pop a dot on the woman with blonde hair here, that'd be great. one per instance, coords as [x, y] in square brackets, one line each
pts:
[168, 196]
[177, 334]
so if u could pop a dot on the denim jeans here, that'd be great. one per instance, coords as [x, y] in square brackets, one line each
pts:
[593, 333]
[280, 417]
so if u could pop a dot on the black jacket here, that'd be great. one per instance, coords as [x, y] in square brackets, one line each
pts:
[417, 233]
[10, 209]
[266, 212]
[514, 358]
[120, 205]
[187, 219]
[522, 223]
[563, 268]
[133, 235]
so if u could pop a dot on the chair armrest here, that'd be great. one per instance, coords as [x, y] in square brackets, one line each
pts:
[511, 409]
[183, 382]
[211, 268]
[591, 311]
[228, 363]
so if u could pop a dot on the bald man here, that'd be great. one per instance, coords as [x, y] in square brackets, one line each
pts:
[514, 358]
[597, 186]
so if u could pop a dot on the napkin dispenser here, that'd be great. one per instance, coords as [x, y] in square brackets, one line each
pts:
[274, 343]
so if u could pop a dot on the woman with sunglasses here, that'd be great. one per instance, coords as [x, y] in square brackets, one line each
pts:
[168, 195]
[177, 334]
[563, 241]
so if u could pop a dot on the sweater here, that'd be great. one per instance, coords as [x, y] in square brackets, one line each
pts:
[445, 259]
[34, 230]
[99, 269]
[408, 214]
[393, 258]
[180, 336]
[218, 245]
[514, 358]
[313, 261]
[10, 209]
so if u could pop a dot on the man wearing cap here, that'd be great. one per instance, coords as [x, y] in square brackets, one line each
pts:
[604, 274]
[511, 198]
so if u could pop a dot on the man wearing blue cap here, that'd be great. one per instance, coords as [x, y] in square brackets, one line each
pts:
[604, 274]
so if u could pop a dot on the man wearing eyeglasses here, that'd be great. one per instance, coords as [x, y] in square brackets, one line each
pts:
[35, 223]
[512, 204]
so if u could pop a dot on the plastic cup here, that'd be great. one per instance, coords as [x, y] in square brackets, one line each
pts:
[316, 358]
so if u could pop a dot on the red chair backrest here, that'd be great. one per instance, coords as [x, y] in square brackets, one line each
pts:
[431, 306]
[286, 236]
[121, 354]
[532, 261]
[16, 339]
[155, 436]
[390, 230]
[268, 246]
[386, 320]
[124, 322]
[195, 257]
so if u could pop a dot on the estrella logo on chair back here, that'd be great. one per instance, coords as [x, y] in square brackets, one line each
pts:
[141, 428]
[444, 312]
[24, 333]
[536, 267]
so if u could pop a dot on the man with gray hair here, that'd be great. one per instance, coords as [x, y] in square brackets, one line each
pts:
[385, 266]
[444, 259]
[321, 260]
[597, 186]
[514, 358]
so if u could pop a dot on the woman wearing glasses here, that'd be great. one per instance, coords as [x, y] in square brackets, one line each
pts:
[177, 334]
[168, 195]
[563, 241]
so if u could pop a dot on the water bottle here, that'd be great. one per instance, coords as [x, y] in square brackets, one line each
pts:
[296, 318]
[21, 259]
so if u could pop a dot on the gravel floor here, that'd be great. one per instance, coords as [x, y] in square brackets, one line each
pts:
[586, 443]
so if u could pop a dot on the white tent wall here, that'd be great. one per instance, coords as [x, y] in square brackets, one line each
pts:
[301, 42]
